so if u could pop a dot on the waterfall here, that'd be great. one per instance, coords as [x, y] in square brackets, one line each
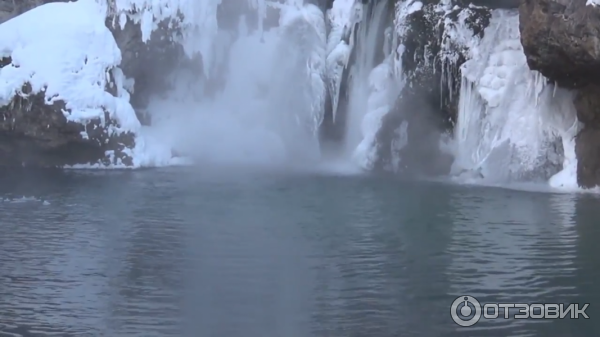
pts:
[369, 79]
[512, 125]
[384, 87]
[393, 89]
[367, 38]
[270, 101]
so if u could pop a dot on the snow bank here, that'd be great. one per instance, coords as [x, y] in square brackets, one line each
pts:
[66, 50]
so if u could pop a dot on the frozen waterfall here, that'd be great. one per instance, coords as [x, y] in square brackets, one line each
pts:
[512, 125]
[361, 53]
[264, 83]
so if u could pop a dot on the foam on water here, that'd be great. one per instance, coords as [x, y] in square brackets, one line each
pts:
[23, 199]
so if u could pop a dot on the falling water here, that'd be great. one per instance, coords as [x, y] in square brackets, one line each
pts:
[271, 103]
[369, 37]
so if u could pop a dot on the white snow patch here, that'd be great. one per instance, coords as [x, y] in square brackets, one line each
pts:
[66, 50]
[414, 7]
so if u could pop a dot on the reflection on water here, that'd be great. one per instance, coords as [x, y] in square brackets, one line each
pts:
[177, 253]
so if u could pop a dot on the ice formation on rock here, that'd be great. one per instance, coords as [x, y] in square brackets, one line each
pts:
[510, 120]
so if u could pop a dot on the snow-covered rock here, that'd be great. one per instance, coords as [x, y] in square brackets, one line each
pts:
[62, 93]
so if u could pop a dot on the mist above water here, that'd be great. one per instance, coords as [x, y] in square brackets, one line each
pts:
[260, 100]
[269, 106]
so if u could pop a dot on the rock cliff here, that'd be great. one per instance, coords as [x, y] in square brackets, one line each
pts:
[560, 39]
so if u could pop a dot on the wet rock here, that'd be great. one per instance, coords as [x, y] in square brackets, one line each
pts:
[587, 148]
[587, 104]
[587, 142]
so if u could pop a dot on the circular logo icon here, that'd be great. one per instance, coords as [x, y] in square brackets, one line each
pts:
[465, 310]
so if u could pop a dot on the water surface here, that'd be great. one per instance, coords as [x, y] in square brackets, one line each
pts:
[184, 252]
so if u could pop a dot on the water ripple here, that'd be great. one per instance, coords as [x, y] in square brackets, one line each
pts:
[158, 253]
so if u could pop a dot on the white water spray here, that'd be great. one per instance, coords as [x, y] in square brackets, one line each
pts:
[272, 103]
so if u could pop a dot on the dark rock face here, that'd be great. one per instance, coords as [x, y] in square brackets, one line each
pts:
[560, 40]
[587, 148]
[587, 143]
[149, 63]
[429, 101]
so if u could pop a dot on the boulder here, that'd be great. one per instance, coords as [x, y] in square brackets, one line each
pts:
[560, 39]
